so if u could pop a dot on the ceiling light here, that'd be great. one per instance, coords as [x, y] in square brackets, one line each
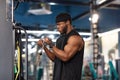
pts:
[94, 18]
[52, 3]
[39, 9]
[100, 1]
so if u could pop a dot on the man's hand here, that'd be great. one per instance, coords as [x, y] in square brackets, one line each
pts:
[44, 42]
[40, 42]
[47, 40]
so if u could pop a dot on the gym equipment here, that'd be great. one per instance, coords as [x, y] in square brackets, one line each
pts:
[94, 74]
[113, 72]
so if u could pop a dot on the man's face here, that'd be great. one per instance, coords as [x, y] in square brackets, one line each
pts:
[62, 27]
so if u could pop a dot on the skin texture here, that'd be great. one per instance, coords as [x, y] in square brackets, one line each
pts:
[74, 43]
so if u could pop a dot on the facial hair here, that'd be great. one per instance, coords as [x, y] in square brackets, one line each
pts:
[64, 30]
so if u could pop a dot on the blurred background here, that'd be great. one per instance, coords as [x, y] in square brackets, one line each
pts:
[24, 22]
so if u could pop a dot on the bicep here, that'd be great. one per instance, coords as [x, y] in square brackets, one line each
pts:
[73, 45]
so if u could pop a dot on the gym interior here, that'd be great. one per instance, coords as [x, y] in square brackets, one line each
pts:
[24, 22]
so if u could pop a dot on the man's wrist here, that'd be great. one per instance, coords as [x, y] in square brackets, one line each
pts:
[51, 45]
[44, 44]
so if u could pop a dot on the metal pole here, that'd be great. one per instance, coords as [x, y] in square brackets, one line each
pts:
[94, 31]
[26, 59]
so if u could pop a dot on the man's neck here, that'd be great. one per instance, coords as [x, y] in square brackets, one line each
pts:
[69, 29]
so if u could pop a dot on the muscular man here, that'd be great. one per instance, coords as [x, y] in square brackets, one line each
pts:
[67, 54]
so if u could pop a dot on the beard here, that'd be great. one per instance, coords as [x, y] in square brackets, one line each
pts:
[64, 30]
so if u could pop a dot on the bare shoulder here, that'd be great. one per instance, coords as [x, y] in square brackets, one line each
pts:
[77, 41]
[75, 38]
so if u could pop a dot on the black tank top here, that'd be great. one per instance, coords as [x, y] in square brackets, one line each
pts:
[72, 69]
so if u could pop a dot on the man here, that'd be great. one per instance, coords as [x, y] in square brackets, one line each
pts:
[68, 52]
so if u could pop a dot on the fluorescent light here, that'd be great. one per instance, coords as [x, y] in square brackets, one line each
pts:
[100, 1]
[39, 11]
[85, 33]
[52, 3]
[34, 40]
[41, 32]
[52, 32]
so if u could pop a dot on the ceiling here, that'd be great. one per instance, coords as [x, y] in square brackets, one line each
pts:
[109, 12]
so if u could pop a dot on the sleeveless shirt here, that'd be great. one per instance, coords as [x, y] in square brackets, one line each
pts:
[72, 69]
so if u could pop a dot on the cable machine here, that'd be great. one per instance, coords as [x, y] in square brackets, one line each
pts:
[18, 47]
[18, 62]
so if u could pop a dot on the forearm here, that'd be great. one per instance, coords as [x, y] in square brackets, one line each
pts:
[60, 54]
[49, 53]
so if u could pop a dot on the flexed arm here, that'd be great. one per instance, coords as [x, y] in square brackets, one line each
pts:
[74, 44]
[49, 53]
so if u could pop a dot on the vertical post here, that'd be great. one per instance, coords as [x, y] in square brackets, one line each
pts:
[26, 59]
[6, 45]
[119, 43]
[94, 31]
